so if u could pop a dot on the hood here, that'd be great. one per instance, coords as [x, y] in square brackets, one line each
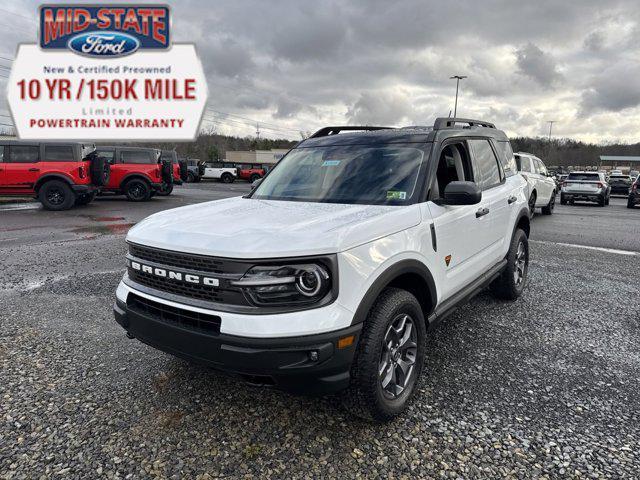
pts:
[249, 228]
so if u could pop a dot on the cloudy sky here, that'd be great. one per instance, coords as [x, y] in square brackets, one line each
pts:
[298, 65]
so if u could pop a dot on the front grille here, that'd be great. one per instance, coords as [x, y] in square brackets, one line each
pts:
[190, 290]
[188, 261]
[174, 316]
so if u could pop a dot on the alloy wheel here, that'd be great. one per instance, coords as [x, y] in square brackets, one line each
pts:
[398, 358]
[55, 196]
[519, 272]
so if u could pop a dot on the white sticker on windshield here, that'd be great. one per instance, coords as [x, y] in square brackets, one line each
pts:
[396, 195]
[331, 163]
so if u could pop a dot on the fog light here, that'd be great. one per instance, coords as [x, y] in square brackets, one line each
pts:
[313, 355]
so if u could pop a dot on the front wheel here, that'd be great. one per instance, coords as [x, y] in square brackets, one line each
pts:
[165, 190]
[548, 209]
[386, 369]
[510, 284]
[56, 195]
[86, 198]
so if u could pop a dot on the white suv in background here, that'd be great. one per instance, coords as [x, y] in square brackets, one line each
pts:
[542, 188]
[327, 275]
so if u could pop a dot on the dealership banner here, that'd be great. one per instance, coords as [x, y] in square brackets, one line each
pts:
[106, 73]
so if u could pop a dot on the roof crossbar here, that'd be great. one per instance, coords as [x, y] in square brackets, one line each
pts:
[447, 122]
[326, 131]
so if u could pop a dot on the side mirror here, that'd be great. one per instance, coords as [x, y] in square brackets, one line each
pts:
[255, 183]
[462, 193]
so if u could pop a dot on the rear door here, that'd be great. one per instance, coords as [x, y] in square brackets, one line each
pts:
[22, 167]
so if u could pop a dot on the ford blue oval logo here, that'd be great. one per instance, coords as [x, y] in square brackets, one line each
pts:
[104, 44]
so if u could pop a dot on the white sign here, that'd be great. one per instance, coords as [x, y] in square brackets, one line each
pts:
[146, 96]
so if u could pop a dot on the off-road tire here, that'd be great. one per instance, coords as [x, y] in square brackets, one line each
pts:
[191, 178]
[563, 201]
[630, 203]
[505, 286]
[184, 171]
[226, 178]
[548, 210]
[137, 190]
[100, 171]
[85, 198]
[254, 177]
[56, 195]
[165, 190]
[166, 171]
[365, 397]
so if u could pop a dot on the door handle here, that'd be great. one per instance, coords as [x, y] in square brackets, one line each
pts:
[482, 212]
[34, 169]
[511, 199]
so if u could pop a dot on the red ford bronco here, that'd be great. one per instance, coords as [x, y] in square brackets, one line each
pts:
[60, 175]
[136, 172]
[250, 172]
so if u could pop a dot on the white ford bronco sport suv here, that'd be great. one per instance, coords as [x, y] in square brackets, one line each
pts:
[328, 274]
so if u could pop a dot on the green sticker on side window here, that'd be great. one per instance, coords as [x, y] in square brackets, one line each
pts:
[395, 195]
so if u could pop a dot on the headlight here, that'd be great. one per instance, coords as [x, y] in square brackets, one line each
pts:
[280, 285]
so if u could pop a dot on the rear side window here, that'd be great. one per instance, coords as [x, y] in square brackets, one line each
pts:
[590, 177]
[135, 156]
[486, 169]
[507, 158]
[540, 168]
[58, 153]
[23, 154]
[523, 163]
[106, 154]
[169, 157]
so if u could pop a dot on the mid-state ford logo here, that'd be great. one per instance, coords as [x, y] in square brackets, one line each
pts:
[104, 44]
[104, 30]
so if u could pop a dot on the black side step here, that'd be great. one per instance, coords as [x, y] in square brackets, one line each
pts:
[467, 293]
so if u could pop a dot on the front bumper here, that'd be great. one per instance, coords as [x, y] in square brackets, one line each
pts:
[286, 363]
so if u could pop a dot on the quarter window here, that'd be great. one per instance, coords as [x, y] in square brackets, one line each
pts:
[58, 153]
[508, 159]
[487, 172]
[24, 154]
[135, 156]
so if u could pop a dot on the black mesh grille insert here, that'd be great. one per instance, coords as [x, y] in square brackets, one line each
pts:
[175, 316]
[188, 261]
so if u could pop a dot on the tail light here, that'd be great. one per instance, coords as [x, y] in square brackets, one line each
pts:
[564, 184]
[82, 172]
[600, 185]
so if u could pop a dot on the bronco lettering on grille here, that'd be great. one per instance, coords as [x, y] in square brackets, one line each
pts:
[173, 275]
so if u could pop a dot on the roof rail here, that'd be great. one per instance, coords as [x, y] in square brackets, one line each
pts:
[326, 131]
[447, 122]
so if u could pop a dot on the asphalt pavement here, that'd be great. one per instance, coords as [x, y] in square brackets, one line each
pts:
[545, 387]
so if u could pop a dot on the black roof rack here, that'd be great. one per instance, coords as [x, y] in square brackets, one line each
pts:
[447, 122]
[326, 131]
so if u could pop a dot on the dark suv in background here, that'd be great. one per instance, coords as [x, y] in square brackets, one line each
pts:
[634, 193]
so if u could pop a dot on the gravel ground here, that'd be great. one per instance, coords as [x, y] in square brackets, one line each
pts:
[543, 387]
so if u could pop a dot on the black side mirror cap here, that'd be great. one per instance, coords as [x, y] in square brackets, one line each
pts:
[462, 193]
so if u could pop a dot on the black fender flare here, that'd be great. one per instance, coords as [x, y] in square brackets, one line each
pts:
[522, 214]
[403, 267]
[131, 176]
[52, 176]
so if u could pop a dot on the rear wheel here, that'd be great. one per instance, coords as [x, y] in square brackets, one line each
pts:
[510, 284]
[137, 190]
[226, 178]
[602, 202]
[563, 201]
[56, 195]
[630, 203]
[254, 177]
[532, 205]
[191, 177]
[548, 210]
[386, 368]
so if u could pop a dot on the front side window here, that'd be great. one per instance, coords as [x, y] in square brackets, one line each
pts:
[135, 156]
[24, 154]
[486, 171]
[58, 153]
[357, 174]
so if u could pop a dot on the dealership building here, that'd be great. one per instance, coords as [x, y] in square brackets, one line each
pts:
[255, 157]
[620, 162]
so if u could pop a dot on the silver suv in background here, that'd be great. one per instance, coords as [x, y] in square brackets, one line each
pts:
[585, 186]
[542, 187]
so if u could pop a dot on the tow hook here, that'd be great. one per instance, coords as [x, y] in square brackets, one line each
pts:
[130, 335]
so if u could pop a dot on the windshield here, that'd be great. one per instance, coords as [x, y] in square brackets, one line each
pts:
[362, 174]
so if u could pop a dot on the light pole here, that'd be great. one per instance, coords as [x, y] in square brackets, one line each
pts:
[550, 122]
[458, 78]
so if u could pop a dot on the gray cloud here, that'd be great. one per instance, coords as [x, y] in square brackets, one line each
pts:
[615, 89]
[536, 64]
